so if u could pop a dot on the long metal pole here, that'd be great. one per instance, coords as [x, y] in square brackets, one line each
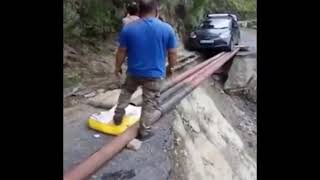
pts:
[175, 79]
[166, 94]
[191, 85]
[96, 160]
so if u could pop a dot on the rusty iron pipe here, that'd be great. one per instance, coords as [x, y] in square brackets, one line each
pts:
[100, 157]
[183, 64]
[188, 88]
[184, 58]
[175, 79]
[165, 95]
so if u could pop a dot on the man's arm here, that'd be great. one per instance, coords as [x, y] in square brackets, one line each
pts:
[120, 57]
[172, 59]
[121, 52]
[172, 51]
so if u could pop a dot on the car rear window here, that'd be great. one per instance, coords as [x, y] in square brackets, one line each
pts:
[215, 23]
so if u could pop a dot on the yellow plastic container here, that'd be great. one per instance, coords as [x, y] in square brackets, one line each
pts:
[103, 121]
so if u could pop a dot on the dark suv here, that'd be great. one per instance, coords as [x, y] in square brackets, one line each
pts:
[216, 32]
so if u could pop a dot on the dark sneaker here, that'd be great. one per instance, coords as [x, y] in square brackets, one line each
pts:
[117, 120]
[144, 135]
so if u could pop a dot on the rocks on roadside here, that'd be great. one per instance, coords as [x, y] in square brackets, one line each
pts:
[242, 77]
[241, 72]
[195, 126]
[184, 152]
[74, 102]
[82, 92]
[70, 91]
[177, 141]
[100, 91]
[134, 144]
[91, 94]
[105, 100]
[110, 98]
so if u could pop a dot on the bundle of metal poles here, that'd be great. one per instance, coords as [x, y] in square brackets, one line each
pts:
[174, 90]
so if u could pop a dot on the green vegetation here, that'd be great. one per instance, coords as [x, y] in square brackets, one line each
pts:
[71, 80]
[243, 8]
[96, 19]
[92, 18]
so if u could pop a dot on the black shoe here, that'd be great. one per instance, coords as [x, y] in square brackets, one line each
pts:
[142, 136]
[117, 121]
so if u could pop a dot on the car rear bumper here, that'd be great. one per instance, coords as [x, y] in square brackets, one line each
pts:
[217, 44]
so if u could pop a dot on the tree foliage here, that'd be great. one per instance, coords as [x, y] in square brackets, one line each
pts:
[98, 18]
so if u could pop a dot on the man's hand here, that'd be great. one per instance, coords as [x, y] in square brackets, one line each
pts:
[118, 72]
[169, 71]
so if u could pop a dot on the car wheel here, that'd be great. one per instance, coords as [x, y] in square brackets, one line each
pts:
[238, 40]
[231, 45]
[237, 43]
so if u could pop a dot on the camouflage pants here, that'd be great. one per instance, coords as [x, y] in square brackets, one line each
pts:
[151, 96]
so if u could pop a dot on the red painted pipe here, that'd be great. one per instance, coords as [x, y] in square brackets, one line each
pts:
[183, 64]
[175, 79]
[195, 82]
[96, 160]
[166, 94]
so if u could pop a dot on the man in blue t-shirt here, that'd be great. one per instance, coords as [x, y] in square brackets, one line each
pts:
[146, 42]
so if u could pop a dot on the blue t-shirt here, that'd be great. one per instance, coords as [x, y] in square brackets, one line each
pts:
[147, 41]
